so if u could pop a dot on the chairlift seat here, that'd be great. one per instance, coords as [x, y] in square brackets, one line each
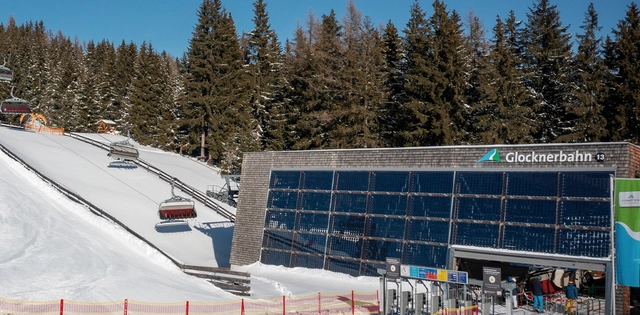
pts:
[6, 75]
[177, 208]
[15, 106]
[122, 151]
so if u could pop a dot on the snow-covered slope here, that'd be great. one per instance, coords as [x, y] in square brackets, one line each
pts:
[54, 248]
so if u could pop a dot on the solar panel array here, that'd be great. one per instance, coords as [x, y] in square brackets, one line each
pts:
[351, 221]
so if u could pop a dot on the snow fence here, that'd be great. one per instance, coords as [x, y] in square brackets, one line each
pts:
[354, 303]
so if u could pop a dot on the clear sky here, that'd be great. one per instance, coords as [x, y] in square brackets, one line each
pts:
[168, 24]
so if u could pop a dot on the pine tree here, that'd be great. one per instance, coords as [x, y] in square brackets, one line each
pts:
[589, 124]
[268, 83]
[414, 131]
[171, 87]
[446, 110]
[505, 114]
[391, 115]
[302, 65]
[476, 68]
[148, 97]
[323, 89]
[63, 68]
[214, 85]
[548, 70]
[356, 110]
[108, 81]
[623, 79]
[86, 109]
[124, 71]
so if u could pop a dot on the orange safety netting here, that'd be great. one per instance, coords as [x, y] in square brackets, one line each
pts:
[355, 303]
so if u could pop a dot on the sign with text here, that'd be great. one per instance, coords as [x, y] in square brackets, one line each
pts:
[491, 278]
[393, 268]
[426, 273]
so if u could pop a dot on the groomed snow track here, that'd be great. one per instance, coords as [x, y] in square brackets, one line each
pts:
[194, 193]
[233, 281]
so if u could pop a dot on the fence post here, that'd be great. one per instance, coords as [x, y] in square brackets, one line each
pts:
[187, 308]
[319, 304]
[284, 306]
[61, 306]
[126, 306]
[353, 303]
[242, 308]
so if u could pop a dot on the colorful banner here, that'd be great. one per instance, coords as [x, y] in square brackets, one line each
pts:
[627, 227]
[436, 274]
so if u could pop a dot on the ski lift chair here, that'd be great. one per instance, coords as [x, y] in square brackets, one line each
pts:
[124, 154]
[15, 105]
[177, 207]
[6, 75]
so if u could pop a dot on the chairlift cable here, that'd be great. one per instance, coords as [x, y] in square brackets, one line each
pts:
[132, 188]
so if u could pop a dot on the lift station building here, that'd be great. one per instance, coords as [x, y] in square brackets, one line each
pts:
[449, 207]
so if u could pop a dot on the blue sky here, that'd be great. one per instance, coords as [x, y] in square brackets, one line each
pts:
[168, 24]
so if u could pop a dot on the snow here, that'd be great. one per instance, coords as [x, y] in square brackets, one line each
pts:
[54, 248]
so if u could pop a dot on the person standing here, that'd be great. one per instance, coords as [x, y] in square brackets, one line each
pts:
[572, 294]
[538, 304]
[514, 292]
[590, 281]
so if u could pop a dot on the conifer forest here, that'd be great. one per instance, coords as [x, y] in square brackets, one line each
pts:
[341, 82]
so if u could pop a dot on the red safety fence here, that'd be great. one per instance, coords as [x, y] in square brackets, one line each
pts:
[354, 303]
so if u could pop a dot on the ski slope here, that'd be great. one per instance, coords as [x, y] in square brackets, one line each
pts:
[54, 248]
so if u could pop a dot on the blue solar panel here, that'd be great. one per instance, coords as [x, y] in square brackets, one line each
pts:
[354, 203]
[345, 246]
[532, 183]
[278, 240]
[348, 224]
[389, 204]
[277, 258]
[585, 213]
[586, 184]
[285, 179]
[308, 261]
[381, 249]
[425, 255]
[390, 181]
[370, 269]
[531, 211]
[481, 235]
[283, 199]
[310, 243]
[387, 227]
[351, 221]
[314, 222]
[315, 201]
[353, 181]
[479, 183]
[344, 266]
[280, 219]
[428, 231]
[432, 182]
[317, 180]
[588, 243]
[487, 209]
[431, 207]
[530, 238]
